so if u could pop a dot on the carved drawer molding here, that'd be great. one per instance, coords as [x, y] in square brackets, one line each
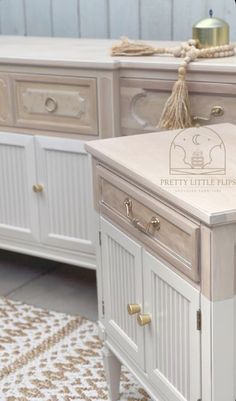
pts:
[56, 103]
[143, 100]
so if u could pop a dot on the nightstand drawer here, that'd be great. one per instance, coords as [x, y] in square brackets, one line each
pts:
[166, 232]
[56, 103]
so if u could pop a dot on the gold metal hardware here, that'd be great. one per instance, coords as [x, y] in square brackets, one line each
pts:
[143, 320]
[50, 104]
[128, 205]
[216, 111]
[154, 222]
[38, 188]
[133, 308]
[211, 32]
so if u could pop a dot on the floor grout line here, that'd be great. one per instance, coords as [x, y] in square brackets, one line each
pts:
[74, 294]
[49, 270]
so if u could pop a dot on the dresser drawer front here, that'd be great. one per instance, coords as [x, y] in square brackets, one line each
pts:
[56, 103]
[143, 100]
[176, 237]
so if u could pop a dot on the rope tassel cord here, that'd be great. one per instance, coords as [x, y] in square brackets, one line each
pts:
[176, 113]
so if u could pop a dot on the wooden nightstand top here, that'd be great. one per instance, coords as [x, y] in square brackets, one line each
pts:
[193, 170]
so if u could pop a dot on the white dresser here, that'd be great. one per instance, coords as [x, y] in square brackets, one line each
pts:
[57, 94]
[52, 100]
[166, 261]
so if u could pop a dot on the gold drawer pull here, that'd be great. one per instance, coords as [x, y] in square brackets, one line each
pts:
[143, 320]
[133, 308]
[154, 222]
[128, 206]
[216, 111]
[38, 188]
[50, 104]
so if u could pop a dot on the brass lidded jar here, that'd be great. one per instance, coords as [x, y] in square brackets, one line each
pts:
[211, 32]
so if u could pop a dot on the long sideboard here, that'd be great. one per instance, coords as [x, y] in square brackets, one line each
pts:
[56, 95]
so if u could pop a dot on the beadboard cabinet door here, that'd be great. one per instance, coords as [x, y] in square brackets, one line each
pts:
[172, 340]
[122, 283]
[65, 204]
[18, 205]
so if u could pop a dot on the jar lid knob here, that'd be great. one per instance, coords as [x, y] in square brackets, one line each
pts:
[211, 13]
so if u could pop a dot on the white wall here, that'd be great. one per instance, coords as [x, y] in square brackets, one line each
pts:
[145, 19]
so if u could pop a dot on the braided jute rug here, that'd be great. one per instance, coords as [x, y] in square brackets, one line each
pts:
[50, 356]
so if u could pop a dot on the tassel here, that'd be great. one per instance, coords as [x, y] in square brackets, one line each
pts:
[176, 113]
[128, 48]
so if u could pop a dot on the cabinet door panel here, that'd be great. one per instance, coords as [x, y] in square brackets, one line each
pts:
[66, 202]
[18, 204]
[121, 258]
[172, 341]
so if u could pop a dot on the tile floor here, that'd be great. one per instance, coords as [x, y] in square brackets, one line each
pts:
[48, 284]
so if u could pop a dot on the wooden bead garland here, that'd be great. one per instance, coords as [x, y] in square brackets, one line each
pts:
[176, 113]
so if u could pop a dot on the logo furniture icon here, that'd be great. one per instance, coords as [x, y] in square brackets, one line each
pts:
[197, 151]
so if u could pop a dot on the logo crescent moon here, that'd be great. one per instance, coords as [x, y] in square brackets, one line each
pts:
[195, 138]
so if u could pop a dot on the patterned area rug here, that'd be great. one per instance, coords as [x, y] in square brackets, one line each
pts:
[50, 356]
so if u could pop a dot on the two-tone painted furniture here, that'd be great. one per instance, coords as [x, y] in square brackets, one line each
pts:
[166, 208]
[54, 96]
[57, 94]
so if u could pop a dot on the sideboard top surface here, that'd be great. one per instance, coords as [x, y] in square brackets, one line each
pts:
[162, 162]
[94, 53]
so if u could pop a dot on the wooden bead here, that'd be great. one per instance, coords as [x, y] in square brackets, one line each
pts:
[187, 59]
[177, 52]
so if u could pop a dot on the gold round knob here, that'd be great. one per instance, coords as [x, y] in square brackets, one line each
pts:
[143, 320]
[133, 308]
[217, 111]
[155, 223]
[38, 188]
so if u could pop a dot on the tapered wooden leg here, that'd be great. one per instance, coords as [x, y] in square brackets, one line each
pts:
[112, 367]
